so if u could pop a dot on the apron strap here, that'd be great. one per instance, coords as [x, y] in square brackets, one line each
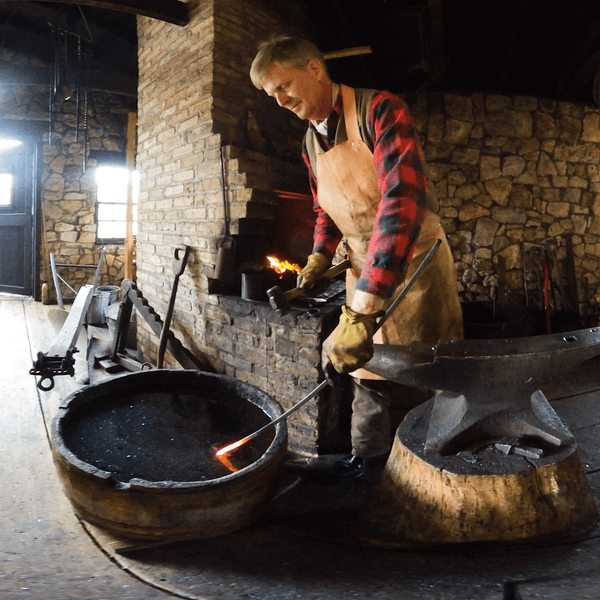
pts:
[350, 117]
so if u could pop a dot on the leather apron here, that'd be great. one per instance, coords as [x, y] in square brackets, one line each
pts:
[348, 191]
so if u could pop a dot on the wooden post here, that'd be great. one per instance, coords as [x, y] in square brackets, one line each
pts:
[130, 162]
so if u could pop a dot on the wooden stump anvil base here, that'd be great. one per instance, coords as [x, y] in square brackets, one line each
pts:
[426, 499]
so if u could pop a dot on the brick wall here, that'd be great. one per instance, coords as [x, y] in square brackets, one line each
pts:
[196, 98]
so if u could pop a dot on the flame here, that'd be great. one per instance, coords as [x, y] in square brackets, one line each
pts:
[281, 266]
[221, 454]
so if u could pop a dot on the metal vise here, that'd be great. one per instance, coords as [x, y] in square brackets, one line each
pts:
[488, 389]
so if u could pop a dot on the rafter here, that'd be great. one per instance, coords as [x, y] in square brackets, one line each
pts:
[171, 11]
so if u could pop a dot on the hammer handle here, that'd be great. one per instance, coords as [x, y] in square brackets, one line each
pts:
[329, 274]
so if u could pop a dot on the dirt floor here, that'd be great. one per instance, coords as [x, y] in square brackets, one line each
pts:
[302, 549]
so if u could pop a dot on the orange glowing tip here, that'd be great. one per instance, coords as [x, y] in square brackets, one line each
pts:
[227, 449]
[281, 266]
[222, 457]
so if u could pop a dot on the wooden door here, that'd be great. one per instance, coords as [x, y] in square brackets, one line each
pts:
[17, 219]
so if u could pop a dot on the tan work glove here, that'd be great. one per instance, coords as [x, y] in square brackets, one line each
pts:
[315, 268]
[350, 345]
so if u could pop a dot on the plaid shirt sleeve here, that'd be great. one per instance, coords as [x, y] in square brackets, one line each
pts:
[403, 205]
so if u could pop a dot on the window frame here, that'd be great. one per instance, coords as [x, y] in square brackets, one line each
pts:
[132, 175]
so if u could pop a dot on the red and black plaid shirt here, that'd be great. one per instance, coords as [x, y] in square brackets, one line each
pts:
[403, 186]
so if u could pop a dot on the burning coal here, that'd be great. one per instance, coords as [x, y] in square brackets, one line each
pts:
[281, 266]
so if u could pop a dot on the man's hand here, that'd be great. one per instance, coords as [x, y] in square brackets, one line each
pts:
[350, 345]
[315, 268]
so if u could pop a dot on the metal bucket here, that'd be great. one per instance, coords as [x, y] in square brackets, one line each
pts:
[135, 454]
[104, 296]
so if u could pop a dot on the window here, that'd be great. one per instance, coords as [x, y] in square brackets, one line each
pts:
[6, 179]
[112, 185]
[6, 189]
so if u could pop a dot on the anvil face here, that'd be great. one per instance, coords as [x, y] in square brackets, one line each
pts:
[489, 389]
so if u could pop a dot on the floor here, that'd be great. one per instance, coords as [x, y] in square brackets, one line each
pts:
[300, 550]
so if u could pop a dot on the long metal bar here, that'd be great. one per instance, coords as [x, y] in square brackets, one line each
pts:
[325, 383]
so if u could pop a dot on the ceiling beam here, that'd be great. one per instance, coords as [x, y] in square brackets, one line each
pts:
[171, 11]
[115, 83]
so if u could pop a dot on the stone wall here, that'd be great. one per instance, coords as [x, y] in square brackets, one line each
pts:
[67, 186]
[514, 175]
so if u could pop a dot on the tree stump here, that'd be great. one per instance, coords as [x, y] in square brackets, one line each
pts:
[429, 499]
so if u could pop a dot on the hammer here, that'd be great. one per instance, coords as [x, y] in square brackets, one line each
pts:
[280, 300]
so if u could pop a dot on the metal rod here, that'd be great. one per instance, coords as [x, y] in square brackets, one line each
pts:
[223, 188]
[325, 383]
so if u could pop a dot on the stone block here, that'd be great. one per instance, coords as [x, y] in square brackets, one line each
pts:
[467, 191]
[558, 209]
[468, 156]
[509, 124]
[485, 232]
[521, 197]
[489, 167]
[509, 215]
[468, 213]
[513, 166]
[529, 176]
[591, 127]
[546, 166]
[499, 189]
[457, 132]
[459, 107]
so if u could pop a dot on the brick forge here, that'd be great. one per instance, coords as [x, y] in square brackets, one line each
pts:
[196, 103]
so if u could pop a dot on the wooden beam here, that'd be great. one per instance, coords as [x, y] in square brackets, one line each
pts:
[357, 51]
[171, 11]
[116, 83]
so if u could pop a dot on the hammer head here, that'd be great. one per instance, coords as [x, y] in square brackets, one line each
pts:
[278, 300]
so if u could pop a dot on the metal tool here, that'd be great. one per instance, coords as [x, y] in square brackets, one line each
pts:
[225, 262]
[119, 358]
[179, 261]
[59, 359]
[325, 383]
[280, 300]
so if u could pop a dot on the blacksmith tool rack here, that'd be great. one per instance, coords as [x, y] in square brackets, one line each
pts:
[120, 358]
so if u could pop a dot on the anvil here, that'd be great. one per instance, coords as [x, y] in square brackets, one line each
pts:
[488, 389]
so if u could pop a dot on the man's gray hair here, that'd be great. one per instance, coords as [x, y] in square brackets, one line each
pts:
[290, 52]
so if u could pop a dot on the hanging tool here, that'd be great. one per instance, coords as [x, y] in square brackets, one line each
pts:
[280, 300]
[179, 261]
[325, 383]
[225, 245]
[547, 307]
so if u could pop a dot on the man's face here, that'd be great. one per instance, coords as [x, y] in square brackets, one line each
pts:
[306, 92]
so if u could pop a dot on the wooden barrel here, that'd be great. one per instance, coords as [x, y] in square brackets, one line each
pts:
[135, 454]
